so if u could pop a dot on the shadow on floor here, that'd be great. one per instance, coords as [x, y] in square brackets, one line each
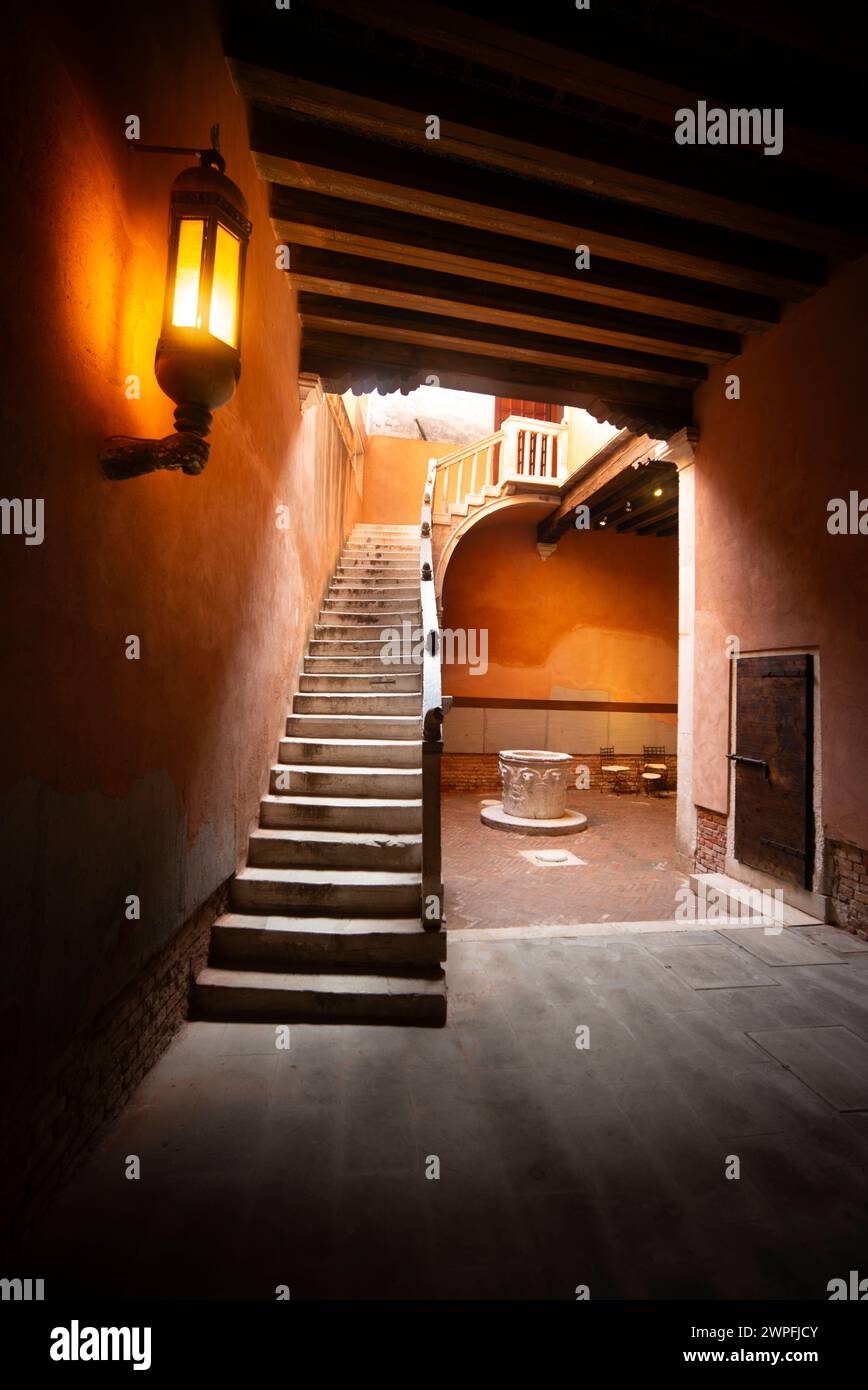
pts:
[603, 1165]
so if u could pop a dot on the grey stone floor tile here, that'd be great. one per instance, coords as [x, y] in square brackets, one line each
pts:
[812, 1187]
[574, 1245]
[835, 938]
[783, 948]
[832, 1061]
[690, 1160]
[713, 967]
[827, 996]
[762, 1098]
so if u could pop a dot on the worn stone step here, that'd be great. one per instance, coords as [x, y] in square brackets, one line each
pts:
[365, 814]
[283, 943]
[350, 726]
[395, 679]
[364, 665]
[363, 542]
[391, 549]
[269, 847]
[383, 562]
[407, 558]
[352, 752]
[364, 892]
[343, 646]
[276, 997]
[405, 616]
[383, 592]
[340, 603]
[322, 702]
[391, 571]
[395, 595]
[382, 631]
[383, 559]
[380, 576]
[377, 618]
[316, 779]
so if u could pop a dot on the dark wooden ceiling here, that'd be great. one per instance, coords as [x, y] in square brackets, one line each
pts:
[643, 501]
[455, 258]
[625, 486]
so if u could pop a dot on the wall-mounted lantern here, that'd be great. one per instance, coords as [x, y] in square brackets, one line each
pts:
[198, 357]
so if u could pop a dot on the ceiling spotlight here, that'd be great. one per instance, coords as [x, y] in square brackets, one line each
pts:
[658, 492]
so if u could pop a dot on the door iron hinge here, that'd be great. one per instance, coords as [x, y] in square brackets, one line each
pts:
[787, 849]
[751, 762]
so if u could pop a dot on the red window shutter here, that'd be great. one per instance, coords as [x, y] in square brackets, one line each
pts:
[505, 406]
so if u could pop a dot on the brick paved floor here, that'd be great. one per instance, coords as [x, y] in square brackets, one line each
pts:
[628, 872]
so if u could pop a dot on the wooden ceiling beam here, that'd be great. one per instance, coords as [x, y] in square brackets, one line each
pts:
[343, 362]
[436, 360]
[626, 181]
[616, 472]
[336, 267]
[564, 69]
[666, 526]
[681, 263]
[609, 501]
[321, 313]
[632, 483]
[532, 299]
[646, 520]
[788, 27]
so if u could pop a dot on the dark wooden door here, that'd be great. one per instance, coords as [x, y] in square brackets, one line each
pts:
[774, 820]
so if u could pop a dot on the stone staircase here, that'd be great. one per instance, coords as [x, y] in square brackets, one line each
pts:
[325, 919]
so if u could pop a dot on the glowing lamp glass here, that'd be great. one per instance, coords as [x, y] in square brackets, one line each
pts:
[223, 316]
[188, 274]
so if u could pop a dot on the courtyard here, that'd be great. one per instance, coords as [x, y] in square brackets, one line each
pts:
[620, 868]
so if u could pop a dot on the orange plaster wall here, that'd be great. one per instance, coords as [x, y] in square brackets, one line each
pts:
[600, 614]
[136, 777]
[767, 569]
[394, 479]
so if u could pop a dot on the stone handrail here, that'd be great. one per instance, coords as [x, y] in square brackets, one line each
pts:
[434, 707]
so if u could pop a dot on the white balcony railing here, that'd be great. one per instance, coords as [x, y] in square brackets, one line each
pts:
[521, 452]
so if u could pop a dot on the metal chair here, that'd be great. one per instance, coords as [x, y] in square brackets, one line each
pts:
[618, 772]
[655, 771]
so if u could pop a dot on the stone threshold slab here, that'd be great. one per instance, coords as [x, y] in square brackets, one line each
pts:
[544, 932]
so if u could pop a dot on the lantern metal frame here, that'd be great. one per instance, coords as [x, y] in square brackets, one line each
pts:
[196, 369]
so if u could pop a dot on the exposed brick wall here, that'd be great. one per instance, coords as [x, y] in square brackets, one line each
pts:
[710, 855]
[57, 1115]
[848, 886]
[470, 772]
